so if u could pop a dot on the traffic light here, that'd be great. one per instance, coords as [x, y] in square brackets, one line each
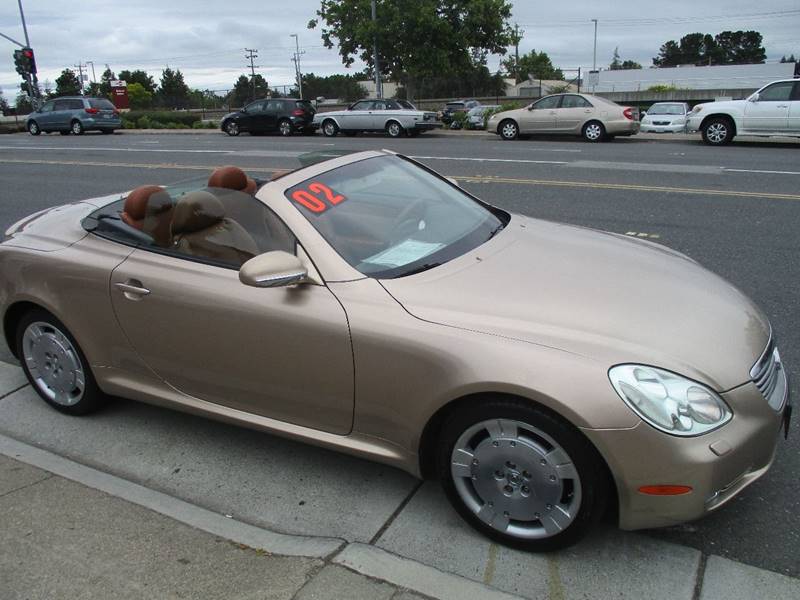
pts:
[25, 61]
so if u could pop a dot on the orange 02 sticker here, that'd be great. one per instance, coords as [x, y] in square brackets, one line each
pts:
[317, 197]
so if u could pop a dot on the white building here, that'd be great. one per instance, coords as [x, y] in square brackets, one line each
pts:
[694, 78]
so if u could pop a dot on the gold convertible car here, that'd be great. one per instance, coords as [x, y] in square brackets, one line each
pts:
[543, 372]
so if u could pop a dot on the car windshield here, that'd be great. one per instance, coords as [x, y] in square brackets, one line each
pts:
[388, 217]
[454, 105]
[477, 111]
[666, 109]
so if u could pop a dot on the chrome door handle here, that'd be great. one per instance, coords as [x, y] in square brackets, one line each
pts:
[587, 110]
[133, 288]
[783, 106]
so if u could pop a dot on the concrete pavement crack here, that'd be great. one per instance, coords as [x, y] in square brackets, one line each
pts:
[699, 576]
[14, 391]
[396, 512]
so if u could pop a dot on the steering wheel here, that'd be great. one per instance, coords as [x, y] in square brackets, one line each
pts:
[407, 221]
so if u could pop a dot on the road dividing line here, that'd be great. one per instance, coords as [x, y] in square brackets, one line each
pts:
[501, 160]
[81, 163]
[106, 149]
[762, 172]
[625, 186]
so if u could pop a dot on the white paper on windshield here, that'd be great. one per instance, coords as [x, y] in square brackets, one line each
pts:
[403, 253]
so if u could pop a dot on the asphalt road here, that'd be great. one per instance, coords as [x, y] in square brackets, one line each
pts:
[734, 209]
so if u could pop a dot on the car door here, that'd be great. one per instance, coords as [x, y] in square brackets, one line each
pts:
[769, 112]
[793, 126]
[60, 116]
[572, 113]
[44, 116]
[273, 110]
[251, 115]
[540, 116]
[358, 117]
[379, 114]
[282, 353]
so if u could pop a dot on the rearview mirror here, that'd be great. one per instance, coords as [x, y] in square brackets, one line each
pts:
[273, 269]
[754, 97]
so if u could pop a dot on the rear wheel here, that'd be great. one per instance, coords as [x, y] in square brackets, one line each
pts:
[76, 127]
[33, 128]
[594, 131]
[394, 129]
[55, 366]
[329, 128]
[521, 475]
[285, 127]
[231, 128]
[717, 131]
[509, 130]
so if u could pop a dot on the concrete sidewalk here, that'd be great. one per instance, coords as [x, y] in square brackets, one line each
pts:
[68, 530]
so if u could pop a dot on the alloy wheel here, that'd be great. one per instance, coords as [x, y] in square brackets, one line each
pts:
[329, 128]
[717, 133]
[53, 363]
[394, 129]
[285, 128]
[509, 130]
[232, 128]
[593, 132]
[516, 479]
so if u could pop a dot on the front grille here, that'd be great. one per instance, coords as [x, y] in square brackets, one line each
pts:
[661, 123]
[769, 377]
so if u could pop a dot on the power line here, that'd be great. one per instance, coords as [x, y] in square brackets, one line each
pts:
[251, 55]
[645, 21]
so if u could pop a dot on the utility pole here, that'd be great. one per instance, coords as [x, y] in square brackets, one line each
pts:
[251, 55]
[296, 60]
[517, 38]
[378, 83]
[80, 68]
[594, 58]
[91, 62]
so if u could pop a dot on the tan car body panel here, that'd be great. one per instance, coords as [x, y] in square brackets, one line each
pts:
[541, 312]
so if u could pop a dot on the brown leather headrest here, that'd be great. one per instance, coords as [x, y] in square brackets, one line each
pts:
[232, 178]
[135, 206]
[196, 211]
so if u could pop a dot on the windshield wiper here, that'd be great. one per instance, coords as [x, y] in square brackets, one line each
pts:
[496, 230]
[420, 269]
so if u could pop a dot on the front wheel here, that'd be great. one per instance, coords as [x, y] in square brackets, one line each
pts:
[329, 128]
[521, 475]
[33, 128]
[76, 128]
[509, 130]
[285, 127]
[231, 128]
[55, 365]
[394, 129]
[594, 131]
[717, 131]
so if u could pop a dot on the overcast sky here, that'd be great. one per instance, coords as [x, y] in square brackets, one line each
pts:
[205, 40]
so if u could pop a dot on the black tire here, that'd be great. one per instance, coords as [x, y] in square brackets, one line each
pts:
[76, 127]
[394, 129]
[718, 131]
[231, 128]
[508, 130]
[330, 128]
[285, 127]
[585, 492]
[33, 128]
[68, 353]
[64, 131]
[594, 131]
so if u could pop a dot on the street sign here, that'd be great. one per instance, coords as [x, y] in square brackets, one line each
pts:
[593, 78]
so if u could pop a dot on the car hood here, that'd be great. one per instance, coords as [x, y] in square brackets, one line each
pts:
[721, 105]
[605, 296]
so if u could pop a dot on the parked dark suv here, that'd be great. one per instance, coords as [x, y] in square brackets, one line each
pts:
[284, 115]
[456, 106]
[74, 114]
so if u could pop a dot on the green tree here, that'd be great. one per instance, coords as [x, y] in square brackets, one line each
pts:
[22, 103]
[339, 87]
[616, 63]
[140, 77]
[242, 91]
[417, 39]
[791, 59]
[172, 91]
[727, 47]
[67, 84]
[105, 83]
[630, 64]
[535, 64]
[138, 97]
[3, 104]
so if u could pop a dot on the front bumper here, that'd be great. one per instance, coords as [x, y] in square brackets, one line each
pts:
[717, 466]
[693, 124]
[652, 128]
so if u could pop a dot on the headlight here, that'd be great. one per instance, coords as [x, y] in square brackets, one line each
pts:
[697, 109]
[669, 402]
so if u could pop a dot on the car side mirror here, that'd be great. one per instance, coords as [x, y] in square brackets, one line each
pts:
[273, 269]
[530, 107]
[644, 113]
[753, 98]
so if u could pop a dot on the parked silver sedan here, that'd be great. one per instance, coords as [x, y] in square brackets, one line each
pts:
[592, 117]
[389, 116]
[665, 117]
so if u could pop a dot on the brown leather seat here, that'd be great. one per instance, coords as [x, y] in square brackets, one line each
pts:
[133, 212]
[157, 220]
[200, 228]
[232, 178]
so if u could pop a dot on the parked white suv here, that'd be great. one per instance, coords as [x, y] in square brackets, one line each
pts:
[772, 110]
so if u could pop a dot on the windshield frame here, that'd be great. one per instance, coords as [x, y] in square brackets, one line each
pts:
[452, 250]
